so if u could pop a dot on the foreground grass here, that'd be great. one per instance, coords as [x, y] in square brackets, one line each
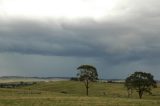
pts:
[75, 101]
[70, 93]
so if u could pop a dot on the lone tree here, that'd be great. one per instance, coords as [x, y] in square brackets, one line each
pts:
[141, 82]
[87, 74]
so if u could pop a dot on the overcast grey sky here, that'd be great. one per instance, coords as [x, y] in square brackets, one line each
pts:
[54, 37]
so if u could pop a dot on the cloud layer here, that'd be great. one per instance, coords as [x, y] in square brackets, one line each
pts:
[124, 40]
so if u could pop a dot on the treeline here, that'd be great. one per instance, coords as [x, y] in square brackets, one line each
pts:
[16, 84]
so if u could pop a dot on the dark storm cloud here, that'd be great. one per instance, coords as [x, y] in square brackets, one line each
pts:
[116, 41]
[38, 38]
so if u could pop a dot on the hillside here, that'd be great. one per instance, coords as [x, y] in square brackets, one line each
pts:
[72, 93]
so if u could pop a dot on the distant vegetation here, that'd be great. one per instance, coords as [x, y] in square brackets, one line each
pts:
[74, 79]
[16, 84]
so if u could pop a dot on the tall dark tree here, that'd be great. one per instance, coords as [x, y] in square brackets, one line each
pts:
[141, 82]
[87, 74]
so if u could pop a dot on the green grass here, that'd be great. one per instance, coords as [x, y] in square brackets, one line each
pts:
[71, 93]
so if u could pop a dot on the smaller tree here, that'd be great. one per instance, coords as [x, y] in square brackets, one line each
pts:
[141, 82]
[87, 73]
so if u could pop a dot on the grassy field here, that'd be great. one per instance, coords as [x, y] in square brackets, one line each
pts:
[71, 93]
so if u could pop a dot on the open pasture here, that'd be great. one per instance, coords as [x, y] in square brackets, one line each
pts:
[72, 93]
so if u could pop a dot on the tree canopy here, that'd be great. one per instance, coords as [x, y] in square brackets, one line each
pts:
[141, 82]
[87, 73]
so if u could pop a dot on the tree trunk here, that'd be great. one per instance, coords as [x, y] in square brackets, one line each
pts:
[140, 94]
[87, 88]
[87, 91]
